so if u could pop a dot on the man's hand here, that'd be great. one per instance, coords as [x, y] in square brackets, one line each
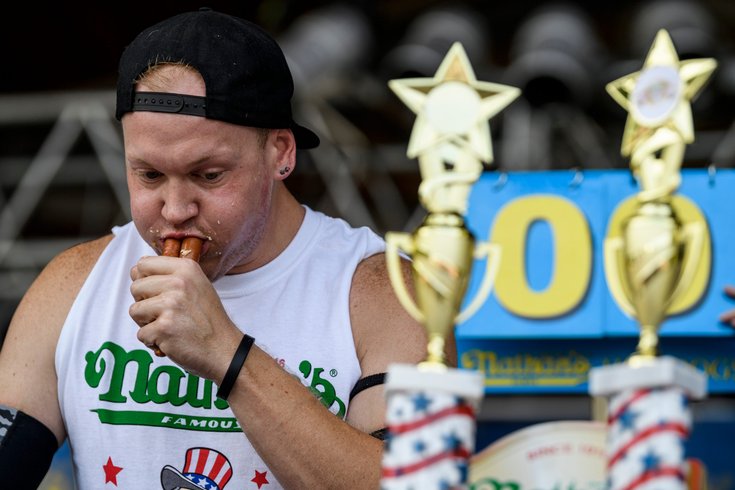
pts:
[729, 316]
[179, 311]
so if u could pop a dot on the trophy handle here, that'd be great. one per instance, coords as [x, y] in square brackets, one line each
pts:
[614, 281]
[394, 242]
[492, 252]
[695, 232]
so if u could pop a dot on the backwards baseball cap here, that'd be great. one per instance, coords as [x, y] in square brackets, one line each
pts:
[247, 79]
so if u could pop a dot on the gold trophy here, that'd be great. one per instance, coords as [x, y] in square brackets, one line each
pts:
[431, 408]
[451, 138]
[655, 258]
[648, 266]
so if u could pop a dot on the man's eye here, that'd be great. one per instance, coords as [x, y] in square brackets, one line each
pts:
[211, 176]
[151, 175]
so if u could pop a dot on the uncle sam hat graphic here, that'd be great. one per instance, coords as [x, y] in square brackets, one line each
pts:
[204, 469]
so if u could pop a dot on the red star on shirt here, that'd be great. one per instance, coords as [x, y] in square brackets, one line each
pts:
[111, 471]
[260, 478]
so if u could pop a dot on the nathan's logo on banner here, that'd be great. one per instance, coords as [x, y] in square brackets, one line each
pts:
[568, 369]
[563, 365]
[171, 385]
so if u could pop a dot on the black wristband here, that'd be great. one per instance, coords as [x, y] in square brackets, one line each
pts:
[235, 366]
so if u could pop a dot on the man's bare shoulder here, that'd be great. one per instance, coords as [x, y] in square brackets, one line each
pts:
[82, 257]
[60, 281]
[383, 330]
[71, 267]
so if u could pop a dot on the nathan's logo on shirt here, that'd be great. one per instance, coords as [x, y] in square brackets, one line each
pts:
[166, 384]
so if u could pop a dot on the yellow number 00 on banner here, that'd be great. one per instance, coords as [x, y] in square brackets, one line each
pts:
[572, 260]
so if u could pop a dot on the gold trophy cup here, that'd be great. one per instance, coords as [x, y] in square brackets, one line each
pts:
[654, 259]
[451, 138]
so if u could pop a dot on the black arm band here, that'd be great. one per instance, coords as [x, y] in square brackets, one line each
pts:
[26, 449]
[235, 366]
[381, 434]
[367, 382]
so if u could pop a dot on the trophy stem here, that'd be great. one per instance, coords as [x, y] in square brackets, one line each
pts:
[647, 343]
[435, 358]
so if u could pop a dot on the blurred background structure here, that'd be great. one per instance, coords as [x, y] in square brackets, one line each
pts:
[61, 162]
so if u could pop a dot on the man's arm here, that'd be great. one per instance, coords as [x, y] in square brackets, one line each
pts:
[27, 371]
[303, 443]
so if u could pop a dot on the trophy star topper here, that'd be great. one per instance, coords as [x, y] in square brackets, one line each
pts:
[453, 107]
[660, 94]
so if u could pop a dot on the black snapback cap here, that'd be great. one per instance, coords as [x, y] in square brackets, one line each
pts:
[247, 78]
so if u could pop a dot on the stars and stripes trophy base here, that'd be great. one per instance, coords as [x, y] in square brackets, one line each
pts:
[431, 427]
[649, 420]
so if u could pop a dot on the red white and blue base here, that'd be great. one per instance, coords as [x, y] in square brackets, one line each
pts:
[649, 420]
[431, 427]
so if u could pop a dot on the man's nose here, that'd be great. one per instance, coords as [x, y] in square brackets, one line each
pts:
[179, 205]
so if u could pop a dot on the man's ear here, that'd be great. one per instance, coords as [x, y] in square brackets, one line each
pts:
[283, 144]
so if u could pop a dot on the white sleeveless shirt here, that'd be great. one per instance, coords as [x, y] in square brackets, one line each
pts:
[140, 421]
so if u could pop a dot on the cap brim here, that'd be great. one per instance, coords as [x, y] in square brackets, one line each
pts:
[305, 138]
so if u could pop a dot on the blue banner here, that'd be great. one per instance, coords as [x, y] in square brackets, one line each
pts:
[552, 228]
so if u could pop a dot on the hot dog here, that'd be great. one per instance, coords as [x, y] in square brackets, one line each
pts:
[190, 248]
[171, 247]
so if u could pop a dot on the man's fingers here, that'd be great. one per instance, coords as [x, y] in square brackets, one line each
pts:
[151, 286]
[160, 265]
[728, 317]
[142, 312]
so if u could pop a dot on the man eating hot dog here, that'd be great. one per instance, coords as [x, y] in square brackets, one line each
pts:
[272, 345]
